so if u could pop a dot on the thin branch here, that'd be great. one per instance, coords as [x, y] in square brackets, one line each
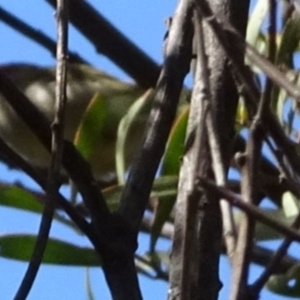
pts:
[258, 285]
[263, 257]
[250, 182]
[56, 154]
[110, 42]
[250, 185]
[271, 185]
[271, 71]
[285, 175]
[36, 35]
[16, 160]
[259, 255]
[251, 210]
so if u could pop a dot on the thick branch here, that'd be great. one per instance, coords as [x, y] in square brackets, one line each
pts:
[112, 43]
[176, 65]
[36, 35]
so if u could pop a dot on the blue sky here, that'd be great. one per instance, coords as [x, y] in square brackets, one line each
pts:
[143, 22]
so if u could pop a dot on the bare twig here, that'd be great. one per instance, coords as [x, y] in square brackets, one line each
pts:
[284, 173]
[56, 154]
[278, 256]
[112, 43]
[16, 160]
[263, 257]
[252, 210]
[259, 255]
[257, 286]
[251, 183]
[229, 36]
[36, 35]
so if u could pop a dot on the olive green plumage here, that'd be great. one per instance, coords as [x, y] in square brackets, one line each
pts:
[38, 84]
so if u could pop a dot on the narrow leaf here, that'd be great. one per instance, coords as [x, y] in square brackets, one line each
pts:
[129, 119]
[90, 129]
[17, 197]
[20, 247]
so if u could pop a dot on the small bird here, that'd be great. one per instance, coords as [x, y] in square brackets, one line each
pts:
[84, 82]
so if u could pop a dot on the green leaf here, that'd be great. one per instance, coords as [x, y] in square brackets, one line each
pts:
[129, 119]
[90, 129]
[286, 284]
[24, 199]
[170, 169]
[289, 42]
[97, 134]
[165, 186]
[20, 247]
[175, 148]
[17, 197]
